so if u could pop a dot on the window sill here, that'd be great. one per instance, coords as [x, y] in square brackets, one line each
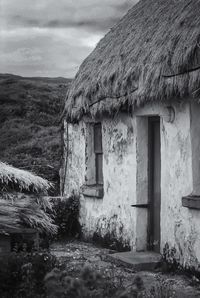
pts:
[93, 191]
[191, 202]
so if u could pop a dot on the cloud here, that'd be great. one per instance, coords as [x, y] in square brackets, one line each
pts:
[52, 38]
[93, 14]
[44, 51]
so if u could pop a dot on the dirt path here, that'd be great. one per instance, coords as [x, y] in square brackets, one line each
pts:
[75, 255]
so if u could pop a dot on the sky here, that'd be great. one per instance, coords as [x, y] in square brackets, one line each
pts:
[52, 37]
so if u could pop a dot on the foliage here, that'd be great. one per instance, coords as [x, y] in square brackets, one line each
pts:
[170, 263]
[29, 116]
[91, 284]
[22, 274]
[66, 216]
[110, 240]
[59, 284]
[113, 237]
[159, 290]
[40, 275]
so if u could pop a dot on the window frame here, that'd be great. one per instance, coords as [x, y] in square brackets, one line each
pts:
[98, 152]
[90, 189]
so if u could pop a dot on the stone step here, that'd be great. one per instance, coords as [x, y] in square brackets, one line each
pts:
[138, 261]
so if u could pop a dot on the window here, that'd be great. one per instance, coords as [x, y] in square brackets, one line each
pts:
[93, 186]
[98, 153]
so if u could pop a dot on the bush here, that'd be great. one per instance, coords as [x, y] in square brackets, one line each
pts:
[66, 216]
[59, 284]
[39, 275]
[22, 274]
[91, 284]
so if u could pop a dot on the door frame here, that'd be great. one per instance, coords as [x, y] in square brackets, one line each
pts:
[151, 209]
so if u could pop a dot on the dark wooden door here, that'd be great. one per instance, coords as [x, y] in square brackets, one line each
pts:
[154, 184]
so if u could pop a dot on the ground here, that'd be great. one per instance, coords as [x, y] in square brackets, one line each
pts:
[75, 255]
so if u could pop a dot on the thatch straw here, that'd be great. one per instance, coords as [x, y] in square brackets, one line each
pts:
[16, 214]
[153, 53]
[8, 216]
[23, 180]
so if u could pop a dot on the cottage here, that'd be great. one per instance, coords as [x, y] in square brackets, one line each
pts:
[132, 132]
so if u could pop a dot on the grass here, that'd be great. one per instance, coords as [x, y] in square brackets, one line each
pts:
[30, 109]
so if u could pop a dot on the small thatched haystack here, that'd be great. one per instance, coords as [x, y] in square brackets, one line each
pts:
[11, 177]
[25, 212]
[22, 201]
[153, 53]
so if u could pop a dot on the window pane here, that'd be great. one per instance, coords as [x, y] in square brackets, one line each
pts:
[99, 168]
[97, 138]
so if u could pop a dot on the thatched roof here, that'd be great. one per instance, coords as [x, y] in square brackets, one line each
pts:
[18, 212]
[22, 180]
[153, 53]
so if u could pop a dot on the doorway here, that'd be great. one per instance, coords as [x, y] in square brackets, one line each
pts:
[154, 173]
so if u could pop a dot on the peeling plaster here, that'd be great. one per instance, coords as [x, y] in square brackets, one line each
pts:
[180, 227]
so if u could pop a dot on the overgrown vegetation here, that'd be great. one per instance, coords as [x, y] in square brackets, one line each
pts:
[110, 240]
[171, 264]
[91, 284]
[40, 275]
[66, 216]
[29, 123]
[113, 238]
[22, 274]
[82, 270]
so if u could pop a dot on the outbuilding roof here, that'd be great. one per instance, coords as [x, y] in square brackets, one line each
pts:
[23, 180]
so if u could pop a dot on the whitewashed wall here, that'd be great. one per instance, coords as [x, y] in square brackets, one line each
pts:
[180, 227]
[112, 214]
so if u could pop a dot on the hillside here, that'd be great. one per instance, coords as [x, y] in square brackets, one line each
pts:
[30, 110]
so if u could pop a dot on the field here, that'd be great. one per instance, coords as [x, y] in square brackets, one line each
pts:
[30, 110]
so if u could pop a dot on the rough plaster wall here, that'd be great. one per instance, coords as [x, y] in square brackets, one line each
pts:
[75, 158]
[180, 227]
[113, 214]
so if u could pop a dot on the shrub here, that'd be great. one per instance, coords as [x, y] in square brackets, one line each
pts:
[66, 216]
[22, 274]
[161, 289]
[39, 275]
[170, 263]
[59, 284]
[91, 284]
